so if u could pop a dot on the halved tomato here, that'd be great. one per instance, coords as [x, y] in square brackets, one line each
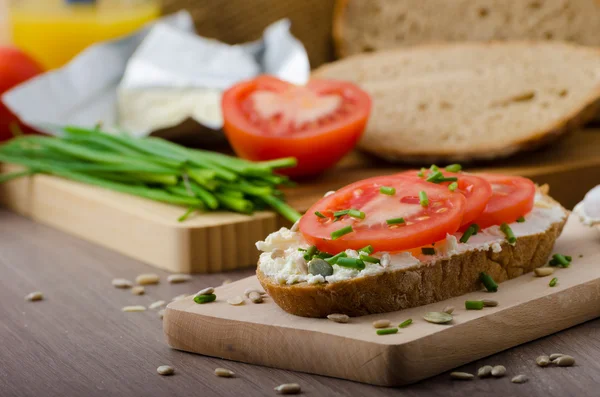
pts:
[422, 225]
[512, 197]
[476, 190]
[267, 118]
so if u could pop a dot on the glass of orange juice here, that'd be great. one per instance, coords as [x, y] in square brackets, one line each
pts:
[54, 31]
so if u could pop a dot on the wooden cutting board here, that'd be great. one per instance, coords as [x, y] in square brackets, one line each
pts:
[266, 335]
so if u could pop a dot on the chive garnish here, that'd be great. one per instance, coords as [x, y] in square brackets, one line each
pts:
[428, 251]
[390, 191]
[488, 282]
[569, 258]
[405, 323]
[356, 214]
[354, 263]
[553, 282]
[447, 179]
[434, 168]
[471, 231]
[453, 186]
[453, 168]
[561, 260]
[323, 255]
[302, 249]
[422, 172]
[310, 252]
[394, 221]
[387, 331]
[205, 298]
[476, 228]
[423, 199]
[509, 233]
[333, 259]
[319, 214]
[473, 305]
[341, 232]
[337, 214]
[368, 249]
[370, 259]
[434, 177]
[521, 219]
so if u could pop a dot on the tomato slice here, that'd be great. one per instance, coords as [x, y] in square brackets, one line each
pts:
[267, 118]
[476, 190]
[512, 197]
[422, 225]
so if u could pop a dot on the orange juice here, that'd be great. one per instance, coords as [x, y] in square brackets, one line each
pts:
[54, 31]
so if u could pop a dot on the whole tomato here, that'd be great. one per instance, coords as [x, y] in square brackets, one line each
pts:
[15, 68]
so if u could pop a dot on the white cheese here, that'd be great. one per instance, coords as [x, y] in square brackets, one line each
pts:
[588, 210]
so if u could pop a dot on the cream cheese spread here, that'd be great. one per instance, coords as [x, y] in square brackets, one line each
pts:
[589, 209]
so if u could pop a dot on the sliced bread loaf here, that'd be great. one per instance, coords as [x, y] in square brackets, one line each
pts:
[466, 101]
[370, 25]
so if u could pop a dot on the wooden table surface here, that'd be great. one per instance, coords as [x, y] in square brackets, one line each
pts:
[77, 342]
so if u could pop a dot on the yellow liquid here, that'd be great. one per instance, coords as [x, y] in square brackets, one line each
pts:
[53, 31]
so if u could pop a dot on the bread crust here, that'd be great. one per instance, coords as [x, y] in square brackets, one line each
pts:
[420, 285]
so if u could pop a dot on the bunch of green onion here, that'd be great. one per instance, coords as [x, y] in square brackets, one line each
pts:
[153, 168]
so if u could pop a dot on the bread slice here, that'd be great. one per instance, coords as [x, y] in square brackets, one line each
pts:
[469, 101]
[373, 25]
[418, 285]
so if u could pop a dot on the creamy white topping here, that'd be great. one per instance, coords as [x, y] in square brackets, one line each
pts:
[588, 210]
[282, 261]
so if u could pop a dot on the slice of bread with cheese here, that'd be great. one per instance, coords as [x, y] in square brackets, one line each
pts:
[469, 101]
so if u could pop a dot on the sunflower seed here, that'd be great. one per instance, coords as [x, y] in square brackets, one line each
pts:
[248, 290]
[288, 388]
[381, 323]
[138, 290]
[519, 379]
[165, 370]
[156, 305]
[255, 297]
[236, 301]
[461, 375]
[205, 291]
[178, 278]
[554, 356]
[161, 313]
[437, 317]
[543, 271]
[138, 308]
[484, 371]
[499, 371]
[338, 318]
[542, 361]
[564, 361]
[448, 309]
[147, 278]
[121, 283]
[34, 296]
[224, 373]
[489, 303]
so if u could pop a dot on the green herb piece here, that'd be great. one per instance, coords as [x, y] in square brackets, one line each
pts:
[453, 186]
[447, 179]
[561, 260]
[510, 237]
[302, 249]
[434, 177]
[471, 231]
[205, 298]
[356, 214]
[333, 259]
[428, 251]
[341, 232]
[453, 168]
[422, 172]
[395, 221]
[390, 191]
[387, 331]
[476, 228]
[553, 282]
[473, 305]
[353, 263]
[405, 323]
[323, 255]
[338, 214]
[434, 168]
[310, 252]
[319, 214]
[186, 215]
[368, 249]
[423, 199]
[370, 259]
[569, 258]
[521, 219]
[488, 282]
[320, 267]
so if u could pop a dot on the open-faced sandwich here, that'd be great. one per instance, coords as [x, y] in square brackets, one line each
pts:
[414, 238]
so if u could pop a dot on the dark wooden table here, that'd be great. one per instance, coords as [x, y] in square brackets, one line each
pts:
[78, 342]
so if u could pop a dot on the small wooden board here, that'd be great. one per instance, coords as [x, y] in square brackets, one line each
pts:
[266, 335]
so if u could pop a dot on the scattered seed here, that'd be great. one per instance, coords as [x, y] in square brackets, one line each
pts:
[484, 371]
[178, 278]
[339, 318]
[320, 267]
[122, 283]
[288, 388]
[381, 323]
[564, 361]
[255, 297]
[224, 373]
[248, 290]
[147, 279]
[489, 303]
[138, 290]
[137, 308]
[554, 356]
[34, 296]
[519, 379]
[461, 375]
[448, 309]
[543, 271]
[542, 361]
[180, 297]
[236, 301]
[206, 291]
[165, 370]
[499, 371]
[226, 281]
[438, 317]
[161, 313]
[156, 305]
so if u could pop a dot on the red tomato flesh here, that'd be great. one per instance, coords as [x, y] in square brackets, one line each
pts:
[267, 118]
[423, 225]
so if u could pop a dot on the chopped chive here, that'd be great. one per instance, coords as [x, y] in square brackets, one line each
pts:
[521, 219]
[561, 260]
[569, 258]
[553, 282]
[341, 232]
[476, 228]
[405, 323]
[353, 263]
[428, 251]
[473, 305]
[310, 252]
[447, 179]
[390, 191]
[387, 331]
[189, 212]
[205, 298]
[467, 235]
[434, 168]
[356, 214]
[323, 255]
[301, 249]
[333, 259]
[453, 168]
[338, 214]
[509, 233]
[553, 262]
[488, 282]
[368, 249]
[370, 259]
[422, 172]
[319, 214]
[395, 221]
[423, 199]
[434, 177]
[453, 186]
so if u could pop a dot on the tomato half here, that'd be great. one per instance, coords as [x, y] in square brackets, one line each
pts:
[267, 118]
[421, 226]
[512, 197]
[476, 190]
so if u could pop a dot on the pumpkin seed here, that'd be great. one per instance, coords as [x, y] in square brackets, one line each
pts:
[499, 371]
[554, 356]
[448, 309]
[34, 296]
[224, 373]
[543, 271]
[165, 370]
[255, 297]
[156, 305]
[137, 308]
[138, 290]
[519, 379]
[484, 371]
[489, 303]
[438, 317]
[235, 301]
[338, 318]
[564, 361]
[288, 388]
[178, 278]
[542, 361]
[320, 267]
[205, 291]
[161, 313]
[461, 375]
[147, 279]
[381, 323]
[122, 283]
